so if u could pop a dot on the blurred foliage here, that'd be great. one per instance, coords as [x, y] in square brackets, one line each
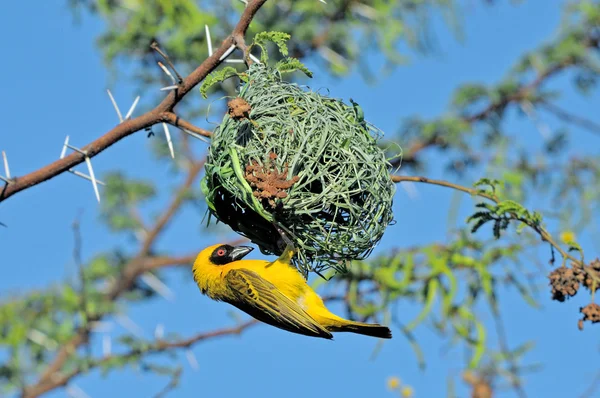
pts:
[448, 282]
[473, 135]
[534, 185]
[338, 32]
[395, 385]
[121, 200]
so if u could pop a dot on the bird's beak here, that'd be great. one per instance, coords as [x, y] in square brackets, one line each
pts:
[240, 252]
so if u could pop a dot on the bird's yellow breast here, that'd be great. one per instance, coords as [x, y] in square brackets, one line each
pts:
[210, 277]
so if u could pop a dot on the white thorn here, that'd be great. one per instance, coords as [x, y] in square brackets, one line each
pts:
[227, 53]
[253, 58]
[169, 142]
[42, 339]
[366, 11]
[130, 112]
[112, 99]
[167, 72]
[244, 1]
[85, 176]
[541, 126]
[140, 233]
[101, 326]
[92, 177]
[130, 325]
[64, 148]
[6, 169]
[173, 87]
[76, 149]
[332, 56]
[158, 286]
[192, 359]
[196, 136]
[106, 345]
[89, 164]
[159, 332]
[208, 41]
[76, 392]
[323, 1]
[234, 61]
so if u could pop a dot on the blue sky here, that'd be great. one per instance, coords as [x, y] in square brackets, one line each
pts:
[54, 84]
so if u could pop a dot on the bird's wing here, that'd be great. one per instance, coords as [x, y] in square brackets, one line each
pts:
[261, 299]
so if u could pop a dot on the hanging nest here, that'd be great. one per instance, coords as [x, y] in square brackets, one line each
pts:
[287, 160]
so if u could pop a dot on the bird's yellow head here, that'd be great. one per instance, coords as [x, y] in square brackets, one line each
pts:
[209, 261]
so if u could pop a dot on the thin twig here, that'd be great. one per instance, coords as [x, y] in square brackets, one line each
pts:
[61, 379]
[410, 157]
[173, 383]
[135, 267]
[474, 192]
[129, 127]
[52, 377]
[446, 184]
[156, 48]
[503, 342]
[571, 118]
[176, 121]
[81, 271]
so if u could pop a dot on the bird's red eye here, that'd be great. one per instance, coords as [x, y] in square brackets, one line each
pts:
[220, 252]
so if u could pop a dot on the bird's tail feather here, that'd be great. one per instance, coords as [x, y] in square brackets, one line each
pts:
[367, 329]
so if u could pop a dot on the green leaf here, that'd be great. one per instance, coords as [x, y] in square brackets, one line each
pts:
[288, 65]
[489, 182]
[469, 94]
[432, 290]
[215, 77]
[70, 297]
[279, 38]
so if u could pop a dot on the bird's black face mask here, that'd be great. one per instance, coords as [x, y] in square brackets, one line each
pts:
[226, 254]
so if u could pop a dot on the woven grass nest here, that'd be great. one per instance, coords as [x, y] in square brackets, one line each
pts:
[289, 161]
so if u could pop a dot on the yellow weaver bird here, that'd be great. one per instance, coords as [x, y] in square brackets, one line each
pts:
[272, 292]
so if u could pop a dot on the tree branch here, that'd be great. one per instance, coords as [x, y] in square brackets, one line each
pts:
[174, 120]
[446, 184]
[571, 118]
[58, 380]
[519, 95]
[177, 200]
[52, 376]
[148, 119]
[545, 235]
[165, 261]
